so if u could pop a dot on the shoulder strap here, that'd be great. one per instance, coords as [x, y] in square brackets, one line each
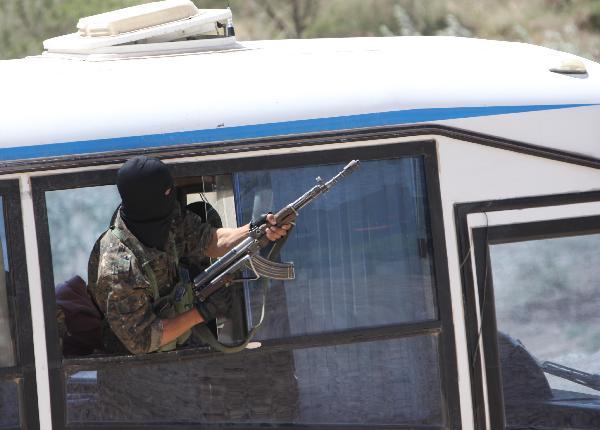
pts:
[138, 253]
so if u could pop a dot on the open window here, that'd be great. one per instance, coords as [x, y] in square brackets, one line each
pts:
[76, 219]
[537, 280]
[357, 339]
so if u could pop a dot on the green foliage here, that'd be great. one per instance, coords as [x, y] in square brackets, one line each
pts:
[569, 25]
[344, 18]
[417, 18]
[590, 16]
[26, 23]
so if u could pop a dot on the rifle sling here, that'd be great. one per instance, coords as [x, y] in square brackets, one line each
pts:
[207, 336]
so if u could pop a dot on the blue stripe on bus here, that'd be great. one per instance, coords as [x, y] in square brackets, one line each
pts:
[410, 116]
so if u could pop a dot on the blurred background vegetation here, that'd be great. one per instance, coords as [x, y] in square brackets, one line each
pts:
[567, 25]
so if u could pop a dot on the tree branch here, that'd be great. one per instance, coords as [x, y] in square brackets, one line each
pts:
[277, 20]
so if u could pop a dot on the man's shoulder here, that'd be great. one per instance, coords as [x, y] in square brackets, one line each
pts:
[188, 222]
[109, 256]
[193, 234]
[108, 245]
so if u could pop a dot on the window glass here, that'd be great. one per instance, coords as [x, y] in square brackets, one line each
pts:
[3, 235]
[76, 218]
[9, 404]
[381, 382]
[363, 259]
[7, 353]
[361, 251]
[548, 314]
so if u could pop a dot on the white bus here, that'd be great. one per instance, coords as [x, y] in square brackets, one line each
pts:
[450, 283]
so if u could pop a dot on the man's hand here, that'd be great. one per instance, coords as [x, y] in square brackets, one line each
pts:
[274, 233]
[216, 305]
[226, 238]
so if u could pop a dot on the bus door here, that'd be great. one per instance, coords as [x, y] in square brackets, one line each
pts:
[531, 272]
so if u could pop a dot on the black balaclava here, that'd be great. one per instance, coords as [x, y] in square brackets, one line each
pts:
[145, 209]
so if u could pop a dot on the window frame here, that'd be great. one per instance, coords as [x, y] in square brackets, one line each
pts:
[19, 309]
[490, 385]
[442, 326]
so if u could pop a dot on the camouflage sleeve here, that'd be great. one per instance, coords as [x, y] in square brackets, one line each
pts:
[196, 235]
[128, 304]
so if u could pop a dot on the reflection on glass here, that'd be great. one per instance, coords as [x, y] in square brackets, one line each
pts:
[9, 404]
[548, 314]
[382, 382]
[76, 218]
[3, 235]
[361, 251]
[7, 353]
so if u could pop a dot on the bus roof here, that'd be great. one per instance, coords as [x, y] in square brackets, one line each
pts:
[57, 105]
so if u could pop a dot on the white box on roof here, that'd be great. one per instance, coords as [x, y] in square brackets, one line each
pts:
[154, 38]
[136, 18]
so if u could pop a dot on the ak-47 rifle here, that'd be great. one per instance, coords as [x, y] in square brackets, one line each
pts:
[245, 255]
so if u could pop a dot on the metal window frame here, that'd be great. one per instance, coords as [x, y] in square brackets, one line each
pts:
[353, 135]
[481, 238]
[19, 308]
[442, 327]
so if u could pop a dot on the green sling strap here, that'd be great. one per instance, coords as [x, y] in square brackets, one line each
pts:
[209, 338]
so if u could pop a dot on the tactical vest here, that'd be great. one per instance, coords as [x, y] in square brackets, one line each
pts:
[178, 301]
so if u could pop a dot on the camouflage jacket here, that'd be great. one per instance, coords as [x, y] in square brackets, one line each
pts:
[123, 292]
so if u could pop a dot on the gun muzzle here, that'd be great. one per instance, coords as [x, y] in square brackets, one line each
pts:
[348, 169]
[351, 166]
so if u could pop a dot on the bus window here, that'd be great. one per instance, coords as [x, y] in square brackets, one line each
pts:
[361, 252]
[364, 267]
[364, 261]
[9, 409]
[76, 218]
[9, 405]
[376, 382]
[547, 312]
[7, 353]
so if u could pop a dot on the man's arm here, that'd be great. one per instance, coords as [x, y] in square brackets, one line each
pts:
[222, 241]
[213, 307]
[175, 327]
[226, 238]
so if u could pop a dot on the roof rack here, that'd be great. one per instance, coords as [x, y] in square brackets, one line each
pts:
[152, 28]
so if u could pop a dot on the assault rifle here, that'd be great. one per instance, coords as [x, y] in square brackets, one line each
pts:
[246, 254]
[578, 376]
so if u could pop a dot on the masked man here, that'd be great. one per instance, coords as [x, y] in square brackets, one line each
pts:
[134, 273]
